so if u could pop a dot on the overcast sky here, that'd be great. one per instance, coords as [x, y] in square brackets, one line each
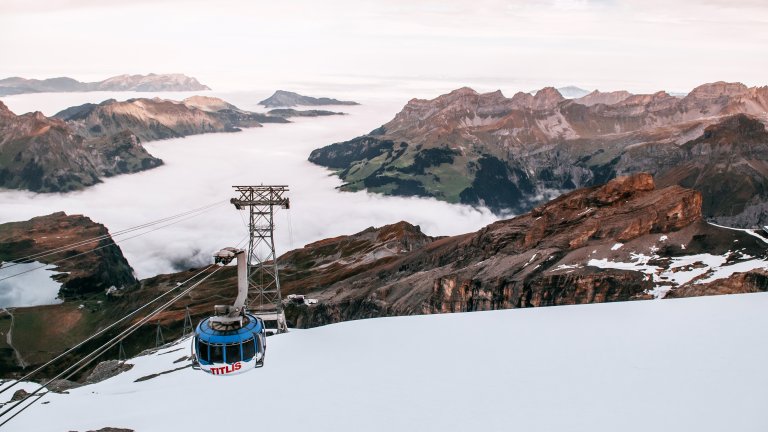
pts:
[641, 45]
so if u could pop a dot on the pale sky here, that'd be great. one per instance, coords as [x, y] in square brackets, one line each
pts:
[640, 45]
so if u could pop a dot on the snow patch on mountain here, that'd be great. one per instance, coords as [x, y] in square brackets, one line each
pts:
[670, 273]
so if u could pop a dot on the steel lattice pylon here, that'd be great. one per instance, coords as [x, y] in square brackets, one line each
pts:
[263, 277]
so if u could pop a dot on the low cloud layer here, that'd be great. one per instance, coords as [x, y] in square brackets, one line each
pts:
[201, 169]
[32, 289]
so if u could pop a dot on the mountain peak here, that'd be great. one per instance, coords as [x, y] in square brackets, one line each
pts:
[607, 98]
[464, 91]
[208, 103]
[717, 89]
[547, 98]
[4, 110]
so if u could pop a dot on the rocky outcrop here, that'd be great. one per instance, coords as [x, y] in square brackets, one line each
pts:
[511, 154]
[327, 261]
[139, 83]
[282, 98]
[44, 154]
[93, 266]
[608, 98]
[153, 119]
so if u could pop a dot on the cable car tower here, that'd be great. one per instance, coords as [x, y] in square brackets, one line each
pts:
[263, 278]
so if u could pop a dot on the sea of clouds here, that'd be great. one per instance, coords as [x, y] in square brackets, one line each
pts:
[201, 169]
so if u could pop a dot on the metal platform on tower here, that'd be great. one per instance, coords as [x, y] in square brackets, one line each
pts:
[265, 300]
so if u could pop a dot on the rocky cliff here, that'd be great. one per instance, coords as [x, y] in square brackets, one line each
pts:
[512, 153]
[140, 83]
[92, 266]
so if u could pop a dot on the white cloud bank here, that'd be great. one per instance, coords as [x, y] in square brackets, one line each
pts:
[201, 169]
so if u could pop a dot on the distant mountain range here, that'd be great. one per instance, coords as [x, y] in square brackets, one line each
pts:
[511, 154]
[282, 98]
[78, 146]
[139, 83]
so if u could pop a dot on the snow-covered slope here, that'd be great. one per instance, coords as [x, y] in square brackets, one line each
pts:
[698, 364]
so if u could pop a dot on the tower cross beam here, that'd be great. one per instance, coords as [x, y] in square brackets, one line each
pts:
[263, 278]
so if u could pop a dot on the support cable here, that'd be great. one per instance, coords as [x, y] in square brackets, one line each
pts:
[103, 246]
[33, 257]
[102, 331]
[82, 363]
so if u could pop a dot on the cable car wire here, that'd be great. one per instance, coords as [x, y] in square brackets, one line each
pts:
[114, 243]
[98, 351]
[30, 258]
[99, 333]
[102, 331]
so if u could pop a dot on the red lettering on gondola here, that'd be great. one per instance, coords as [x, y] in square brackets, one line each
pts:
[223, 370]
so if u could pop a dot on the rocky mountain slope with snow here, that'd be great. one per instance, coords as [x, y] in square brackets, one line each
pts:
[514, 153]
[140, 83]
[685, 364]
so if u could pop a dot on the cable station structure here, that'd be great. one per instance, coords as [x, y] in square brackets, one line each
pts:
[263, 278]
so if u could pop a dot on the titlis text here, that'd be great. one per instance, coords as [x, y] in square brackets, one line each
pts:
[223, 370]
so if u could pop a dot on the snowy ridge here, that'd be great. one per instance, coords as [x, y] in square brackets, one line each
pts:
[672, 272]
[634, 366]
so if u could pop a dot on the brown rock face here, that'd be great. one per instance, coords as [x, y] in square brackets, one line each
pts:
[538, 259]
[89, 267]
[597, 97]
[327, 261]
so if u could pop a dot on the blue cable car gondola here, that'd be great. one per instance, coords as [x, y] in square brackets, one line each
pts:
[232, 341]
